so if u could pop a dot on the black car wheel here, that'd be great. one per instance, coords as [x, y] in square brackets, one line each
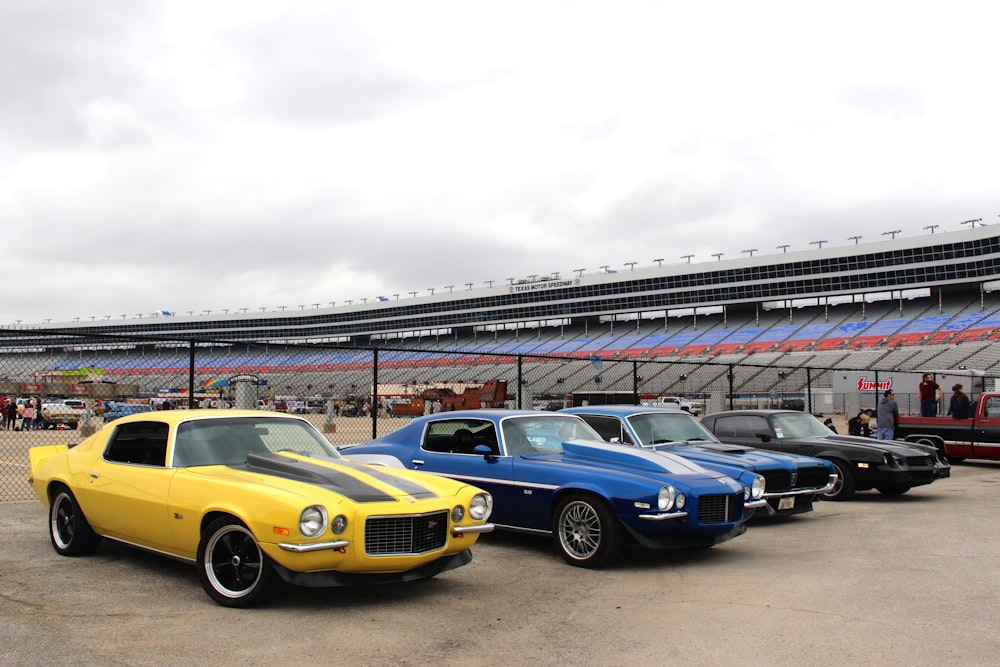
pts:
[587, 532]
[233, 569]
[69, 530]
[844, 487]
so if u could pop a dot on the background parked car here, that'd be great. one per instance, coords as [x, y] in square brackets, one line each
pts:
[792, 481]
[892, 467]
[113, 411]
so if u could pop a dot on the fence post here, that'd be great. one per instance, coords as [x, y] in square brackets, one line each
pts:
[635, 382]
[520, 379]
[732, 386]
[809, 390]
[190, 375]
[374, 397]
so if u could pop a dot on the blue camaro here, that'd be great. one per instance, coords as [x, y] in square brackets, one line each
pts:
[550, 473]
[793, 481]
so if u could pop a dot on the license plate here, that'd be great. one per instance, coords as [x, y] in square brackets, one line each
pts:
[786, 503]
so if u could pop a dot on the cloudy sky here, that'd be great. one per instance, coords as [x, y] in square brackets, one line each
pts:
[212, 154]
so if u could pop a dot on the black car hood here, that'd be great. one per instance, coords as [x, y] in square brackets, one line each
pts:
[892, 446]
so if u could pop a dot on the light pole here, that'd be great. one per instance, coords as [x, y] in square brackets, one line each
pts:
[450, 288]
[579, 272]
[750, 250]
[892, 233]
[932, 227]
[818, 243]
[687, 257]
[783, 246]
[972, 223]
[604, 268]
[659, 262]
[469, 285]
[854, 238]
[718, 255]
[630, 265]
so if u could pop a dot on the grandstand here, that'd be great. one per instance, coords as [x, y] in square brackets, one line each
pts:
[907, 303]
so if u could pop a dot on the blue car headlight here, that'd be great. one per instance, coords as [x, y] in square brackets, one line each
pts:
[666, 498]
[755, 490]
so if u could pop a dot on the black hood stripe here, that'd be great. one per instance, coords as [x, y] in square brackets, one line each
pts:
[381, 474]
[303, 471]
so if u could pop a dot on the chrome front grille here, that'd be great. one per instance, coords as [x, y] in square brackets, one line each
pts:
[720, 509]
[406, 534]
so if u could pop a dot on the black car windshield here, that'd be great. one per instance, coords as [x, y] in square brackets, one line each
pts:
[544, 433]
[655, 428]
[228, 441]
[799, 425]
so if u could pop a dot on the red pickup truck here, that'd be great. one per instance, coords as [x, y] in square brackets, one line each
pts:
[977, 437]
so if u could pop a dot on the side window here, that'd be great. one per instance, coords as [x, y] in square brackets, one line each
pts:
[459, 436]
[142, 443]
[608, 428]
[740, 426]
[991, 406]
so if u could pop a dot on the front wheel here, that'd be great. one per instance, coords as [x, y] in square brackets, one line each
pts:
[69, 529]
[232, 568]
[844, 487]
[586, 531]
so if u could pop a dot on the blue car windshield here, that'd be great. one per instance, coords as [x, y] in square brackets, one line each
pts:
[544, 433]
[654, 428]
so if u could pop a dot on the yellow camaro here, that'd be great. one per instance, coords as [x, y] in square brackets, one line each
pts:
[252, 496]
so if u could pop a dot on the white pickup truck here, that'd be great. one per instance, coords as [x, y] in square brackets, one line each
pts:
[676, 402]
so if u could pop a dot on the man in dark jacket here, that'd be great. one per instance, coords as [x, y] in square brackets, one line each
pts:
[888, 416]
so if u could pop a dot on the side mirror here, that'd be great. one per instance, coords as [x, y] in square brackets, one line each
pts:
[764, 437]
[483, 450]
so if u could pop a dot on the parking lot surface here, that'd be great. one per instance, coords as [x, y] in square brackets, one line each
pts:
[910, 580]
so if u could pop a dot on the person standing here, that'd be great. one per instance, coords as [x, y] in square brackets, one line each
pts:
[27, 415]
[931, 394]
[888, 416]
[961, 406]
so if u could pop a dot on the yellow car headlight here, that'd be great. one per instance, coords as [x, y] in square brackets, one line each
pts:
[481, 506]
[313, 521]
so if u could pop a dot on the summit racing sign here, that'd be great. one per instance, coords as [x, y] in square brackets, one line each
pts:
[866, 385]
[526, 286]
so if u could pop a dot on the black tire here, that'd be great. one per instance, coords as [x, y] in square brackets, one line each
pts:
[586, 531]
[893, 490]
[69, 530]
[232, 568]
[845, 486]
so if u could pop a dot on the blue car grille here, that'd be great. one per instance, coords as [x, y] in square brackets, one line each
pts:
[405, 535]
[720, 509]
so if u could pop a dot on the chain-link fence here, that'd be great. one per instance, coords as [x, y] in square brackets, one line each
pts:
[355, 394]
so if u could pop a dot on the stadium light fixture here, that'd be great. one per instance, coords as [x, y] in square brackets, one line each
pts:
[783, 246]
[687, 257]
[413, 294]
[450, 288]
[630, 265]
[396, 296]
[932, 227]
[892, 233]
[818, 243]
[431, 290]
[972, 223]
[858, 237]
[489, 283]
[512, 280]
[282, 308]
[718, 255]
[659, 262]
[604, 268]
[579, 272]
[750, 250]
[469, 285]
